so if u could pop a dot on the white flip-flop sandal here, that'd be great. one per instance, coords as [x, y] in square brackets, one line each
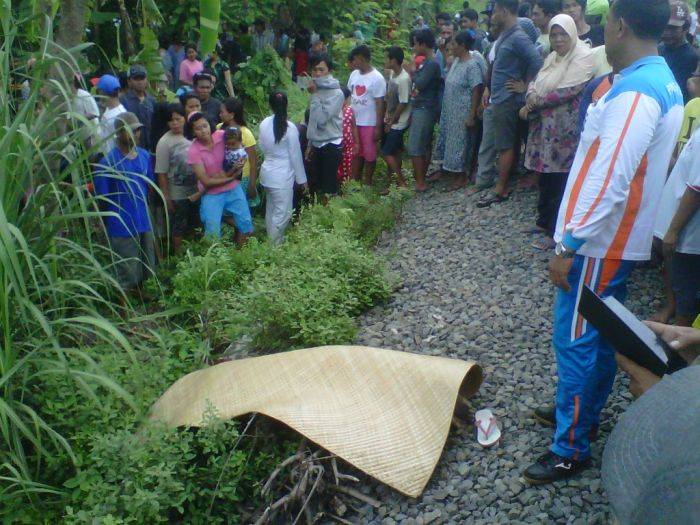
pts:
[487, 431]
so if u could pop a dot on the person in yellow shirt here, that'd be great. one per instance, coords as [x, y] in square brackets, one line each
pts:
[691, 114]
[232, 115]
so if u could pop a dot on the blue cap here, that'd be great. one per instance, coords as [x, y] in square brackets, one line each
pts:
[108, 84]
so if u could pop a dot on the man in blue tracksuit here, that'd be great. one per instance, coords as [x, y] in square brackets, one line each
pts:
[606, 220]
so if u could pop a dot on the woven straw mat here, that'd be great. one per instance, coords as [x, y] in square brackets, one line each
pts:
[386, 412]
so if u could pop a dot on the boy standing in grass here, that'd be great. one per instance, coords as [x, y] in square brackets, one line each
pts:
[122, 181]
[398, 112]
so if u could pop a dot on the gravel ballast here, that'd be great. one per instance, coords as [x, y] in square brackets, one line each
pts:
[472, 287]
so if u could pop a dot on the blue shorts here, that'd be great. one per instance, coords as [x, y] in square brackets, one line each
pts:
[392, 142]
[420, 133]
[232, 202]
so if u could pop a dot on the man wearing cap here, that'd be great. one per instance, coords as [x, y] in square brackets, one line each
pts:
[679, 54]
[123, 178]
[140, 103]
[203, 84]
[108, 87]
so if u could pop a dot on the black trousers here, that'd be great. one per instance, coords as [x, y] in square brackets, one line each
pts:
[552, 187]
[326, 161]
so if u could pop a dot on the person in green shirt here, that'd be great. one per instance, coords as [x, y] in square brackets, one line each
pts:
[223, 87]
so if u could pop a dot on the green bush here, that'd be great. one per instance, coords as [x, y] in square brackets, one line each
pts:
[260, 76]
[360, 211]
[130, 471]
[309, 296]
[221, 267]
[304, 293]
[164, 475]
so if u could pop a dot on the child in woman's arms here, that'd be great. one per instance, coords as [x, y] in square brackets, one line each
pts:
[235, 156]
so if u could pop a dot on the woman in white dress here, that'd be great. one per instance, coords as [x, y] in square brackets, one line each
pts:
[282, 168]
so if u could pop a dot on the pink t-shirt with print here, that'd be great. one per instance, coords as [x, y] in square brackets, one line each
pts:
[189, 69]
[213, 161]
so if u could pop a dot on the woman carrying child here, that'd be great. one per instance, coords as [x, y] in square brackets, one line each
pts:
[221, 190]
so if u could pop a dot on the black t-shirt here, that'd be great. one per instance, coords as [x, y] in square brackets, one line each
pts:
[682, 60]
[595, 36]
[211, 109]
[427, 82]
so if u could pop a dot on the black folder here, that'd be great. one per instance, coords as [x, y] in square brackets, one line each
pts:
[627, 334]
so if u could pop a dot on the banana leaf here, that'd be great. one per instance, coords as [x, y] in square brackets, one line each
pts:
[209, 16]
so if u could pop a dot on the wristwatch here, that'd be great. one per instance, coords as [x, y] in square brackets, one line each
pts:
[562, 251]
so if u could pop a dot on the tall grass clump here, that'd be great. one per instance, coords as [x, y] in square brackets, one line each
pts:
[57, 295]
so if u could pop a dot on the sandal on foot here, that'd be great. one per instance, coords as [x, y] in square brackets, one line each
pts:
[489, 199]
[487, 431]
[545, 244]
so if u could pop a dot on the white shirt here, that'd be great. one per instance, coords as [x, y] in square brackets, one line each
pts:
[283, 164]
[365, 90]
[693, 23]
[685, 175]
[84, 104]
[400, 89]
[613, 190]
[107, 127]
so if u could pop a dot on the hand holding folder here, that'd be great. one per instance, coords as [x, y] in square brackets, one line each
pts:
[628, 335]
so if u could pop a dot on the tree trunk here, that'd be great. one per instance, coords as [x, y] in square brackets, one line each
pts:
[128, 29]
[71, 29]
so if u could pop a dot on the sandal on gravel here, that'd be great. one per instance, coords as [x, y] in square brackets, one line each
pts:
[489, 199]
[487, 431]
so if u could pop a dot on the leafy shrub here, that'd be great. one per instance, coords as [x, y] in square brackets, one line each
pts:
[258, 77]
[130, 472]
[309, 296]
[304, 293]
[164, 475]
[222, 267]
[360, 211]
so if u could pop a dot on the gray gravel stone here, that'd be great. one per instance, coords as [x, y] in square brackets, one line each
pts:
[471, 287]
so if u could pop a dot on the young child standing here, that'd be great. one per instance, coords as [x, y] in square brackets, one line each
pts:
[398, 112]
[678, 225]
[122, 182]
[351, 141]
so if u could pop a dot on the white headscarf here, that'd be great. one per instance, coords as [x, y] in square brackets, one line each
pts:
[572, 69]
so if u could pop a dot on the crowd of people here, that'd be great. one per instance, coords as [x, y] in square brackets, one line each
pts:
[595, 104]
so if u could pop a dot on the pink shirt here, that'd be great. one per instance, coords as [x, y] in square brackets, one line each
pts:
[212, 160]
[189, 69]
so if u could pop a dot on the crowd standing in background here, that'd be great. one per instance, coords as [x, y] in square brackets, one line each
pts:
[516, 91]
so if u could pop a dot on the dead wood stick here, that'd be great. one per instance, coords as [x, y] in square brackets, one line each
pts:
[319, 474]
[338, 475]
[340, 520]
[275, 473]
[355, 494]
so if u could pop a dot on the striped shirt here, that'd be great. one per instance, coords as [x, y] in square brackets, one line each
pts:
[618, 174]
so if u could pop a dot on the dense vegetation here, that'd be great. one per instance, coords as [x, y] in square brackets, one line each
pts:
[81, 362]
